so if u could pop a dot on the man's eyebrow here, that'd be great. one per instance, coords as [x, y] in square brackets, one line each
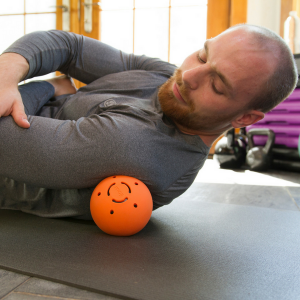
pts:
[222, 77]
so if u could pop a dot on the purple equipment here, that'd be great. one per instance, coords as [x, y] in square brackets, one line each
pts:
[284, 120]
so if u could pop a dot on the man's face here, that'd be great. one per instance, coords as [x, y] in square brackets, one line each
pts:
[214, 85]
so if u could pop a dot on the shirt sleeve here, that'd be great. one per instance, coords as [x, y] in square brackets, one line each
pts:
[69, 154]
[58, 153]
[78, 56]
[178, 187]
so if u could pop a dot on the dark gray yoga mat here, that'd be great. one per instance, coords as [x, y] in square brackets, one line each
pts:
[189, 250]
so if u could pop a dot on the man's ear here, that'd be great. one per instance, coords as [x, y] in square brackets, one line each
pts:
[247, 119]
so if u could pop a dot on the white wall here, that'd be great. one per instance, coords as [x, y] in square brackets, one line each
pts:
[264, 13]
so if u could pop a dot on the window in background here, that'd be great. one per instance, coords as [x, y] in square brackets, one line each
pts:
[168, 29]
[19, 17]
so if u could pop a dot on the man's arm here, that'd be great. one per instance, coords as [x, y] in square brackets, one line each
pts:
[77, 56]
[64, 154]
[10, 75]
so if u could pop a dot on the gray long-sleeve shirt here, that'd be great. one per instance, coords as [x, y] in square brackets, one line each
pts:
[112, 126]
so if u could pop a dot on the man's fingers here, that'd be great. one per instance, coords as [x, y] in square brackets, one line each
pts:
[11, 104]
[19, 115]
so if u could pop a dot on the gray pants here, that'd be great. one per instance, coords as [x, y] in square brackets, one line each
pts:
[35, 94]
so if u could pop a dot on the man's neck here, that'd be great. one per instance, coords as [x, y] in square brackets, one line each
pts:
[207, 138]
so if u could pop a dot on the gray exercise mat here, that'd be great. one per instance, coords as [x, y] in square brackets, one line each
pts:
[188, 250]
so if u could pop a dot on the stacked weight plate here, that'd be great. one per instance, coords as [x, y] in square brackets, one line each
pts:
[284, 120]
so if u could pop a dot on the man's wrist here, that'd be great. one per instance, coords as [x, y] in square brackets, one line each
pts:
[13, 68]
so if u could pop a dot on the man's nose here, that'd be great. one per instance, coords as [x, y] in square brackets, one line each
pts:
[193, 77]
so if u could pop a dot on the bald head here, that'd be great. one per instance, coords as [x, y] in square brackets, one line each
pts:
[280, 82]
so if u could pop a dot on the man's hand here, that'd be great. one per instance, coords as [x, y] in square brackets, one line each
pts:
[11, 104]
[13, 68]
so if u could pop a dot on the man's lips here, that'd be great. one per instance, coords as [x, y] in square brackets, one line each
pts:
[177, 94]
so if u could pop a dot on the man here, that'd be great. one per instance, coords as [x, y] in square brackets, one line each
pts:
[137, 116]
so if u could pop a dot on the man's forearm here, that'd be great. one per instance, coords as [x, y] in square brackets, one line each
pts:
[72, 54]
[78, 56]
[13, 69]
[47, 52]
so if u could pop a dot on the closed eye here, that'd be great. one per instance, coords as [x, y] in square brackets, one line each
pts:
[215, 90]
[200, 59]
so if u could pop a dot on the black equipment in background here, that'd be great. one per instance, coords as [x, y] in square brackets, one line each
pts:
[230, 150]
[259, 158]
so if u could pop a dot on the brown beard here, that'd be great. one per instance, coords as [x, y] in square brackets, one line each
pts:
[185, 115]
[171, 106]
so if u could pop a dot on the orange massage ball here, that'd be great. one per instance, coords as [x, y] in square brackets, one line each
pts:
[121, 205]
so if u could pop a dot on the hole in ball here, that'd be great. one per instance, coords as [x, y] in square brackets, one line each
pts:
[135, 205]
[114, 176]
[111, 212]
[136, 183]
[99, 194]
[108, 194]
[127, 186]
